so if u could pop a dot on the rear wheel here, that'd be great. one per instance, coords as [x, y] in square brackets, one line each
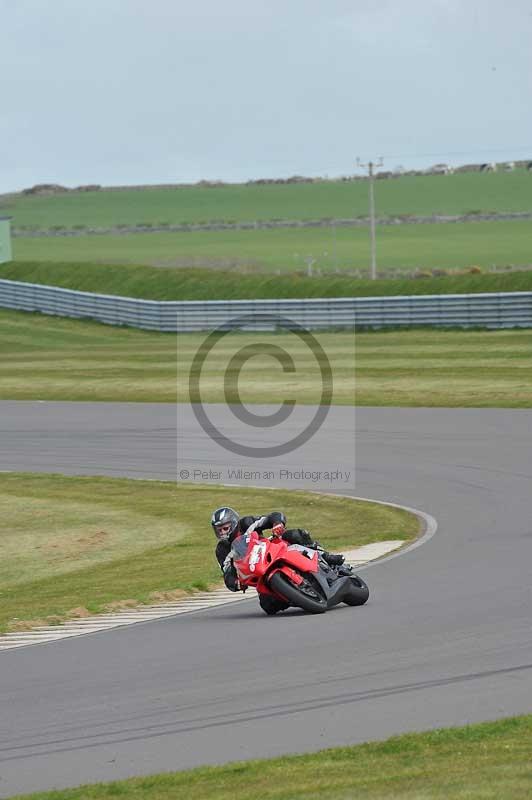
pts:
[305, 595]
[358, 592]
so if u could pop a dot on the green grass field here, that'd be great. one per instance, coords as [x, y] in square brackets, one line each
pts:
[490, 761]
[52, 358]
[204, 284]
[74, 546]
[453, 194]
[401, 247]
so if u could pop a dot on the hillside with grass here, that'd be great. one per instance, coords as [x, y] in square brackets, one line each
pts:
[403, 247]
[461, 193]
[133, 226]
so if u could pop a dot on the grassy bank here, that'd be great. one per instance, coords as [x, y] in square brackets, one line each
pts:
[453, 194]
[152, 283]
[490, 761]
[72, 546]
[396, 368]
[51, 358]
[400, 247]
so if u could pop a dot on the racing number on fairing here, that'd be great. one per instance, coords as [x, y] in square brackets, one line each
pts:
[256, 555]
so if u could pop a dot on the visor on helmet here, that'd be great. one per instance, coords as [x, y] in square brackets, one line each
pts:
[223, 530]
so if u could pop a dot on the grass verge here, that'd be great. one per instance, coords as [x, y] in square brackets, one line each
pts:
[51, 358]
[73, 546]
[152, 283]
[400, 247]
[489, 761]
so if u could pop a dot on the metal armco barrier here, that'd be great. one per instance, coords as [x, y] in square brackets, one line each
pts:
[505, 310]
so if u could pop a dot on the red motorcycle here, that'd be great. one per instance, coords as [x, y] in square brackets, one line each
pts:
[295, 574]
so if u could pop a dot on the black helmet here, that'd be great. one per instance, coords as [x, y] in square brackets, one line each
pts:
[224, 522]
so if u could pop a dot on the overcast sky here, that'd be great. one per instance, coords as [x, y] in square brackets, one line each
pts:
[129, 91]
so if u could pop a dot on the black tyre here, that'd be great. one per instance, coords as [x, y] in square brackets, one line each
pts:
[306, 596]
[358, 593]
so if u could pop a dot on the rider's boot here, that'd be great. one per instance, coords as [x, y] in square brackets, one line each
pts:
[271, 605]
[345, 570]
[333, 559]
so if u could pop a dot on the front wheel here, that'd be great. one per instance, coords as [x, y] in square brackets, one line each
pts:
[305, 595]
[358, 592]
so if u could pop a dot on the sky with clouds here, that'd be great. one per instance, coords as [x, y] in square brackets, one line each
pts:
[129, 91]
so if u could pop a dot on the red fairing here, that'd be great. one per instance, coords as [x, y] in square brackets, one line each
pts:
[256, 558]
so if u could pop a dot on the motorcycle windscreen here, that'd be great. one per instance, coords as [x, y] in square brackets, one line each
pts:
[240, 547]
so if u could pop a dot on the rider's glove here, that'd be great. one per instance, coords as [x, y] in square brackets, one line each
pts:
[278, 529]
[230, 575]
[231, 580]
[232, 583]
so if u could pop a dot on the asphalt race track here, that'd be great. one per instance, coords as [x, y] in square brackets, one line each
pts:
[444, 640]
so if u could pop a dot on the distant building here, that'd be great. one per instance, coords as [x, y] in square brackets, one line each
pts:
[440, 169]
[468, 168]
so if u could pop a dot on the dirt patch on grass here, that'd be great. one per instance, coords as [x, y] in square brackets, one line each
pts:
[78, 547]
[167, 597]
[92, 540]
[20, 625]
[79, 613]
[62, 548]
[119, 605]
[55, 619]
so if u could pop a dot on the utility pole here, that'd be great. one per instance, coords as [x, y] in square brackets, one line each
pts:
[371, 177]
[309, 261]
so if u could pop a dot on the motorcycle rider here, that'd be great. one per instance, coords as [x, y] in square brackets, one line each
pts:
[227, 525]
